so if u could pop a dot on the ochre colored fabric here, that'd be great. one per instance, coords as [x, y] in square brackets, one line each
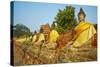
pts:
[41, 37]
[34, 38]
[53, 36]
[84, 31]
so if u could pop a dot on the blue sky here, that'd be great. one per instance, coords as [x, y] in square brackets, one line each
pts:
[33, 14]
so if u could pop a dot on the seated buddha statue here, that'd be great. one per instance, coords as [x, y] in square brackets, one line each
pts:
[83, 31]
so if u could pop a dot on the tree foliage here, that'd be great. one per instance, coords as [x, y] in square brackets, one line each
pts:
[20, 30]
[65, 19]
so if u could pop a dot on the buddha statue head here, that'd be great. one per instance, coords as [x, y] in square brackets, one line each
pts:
[81, 15]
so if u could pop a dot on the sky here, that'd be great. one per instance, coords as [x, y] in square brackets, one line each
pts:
[35, 14]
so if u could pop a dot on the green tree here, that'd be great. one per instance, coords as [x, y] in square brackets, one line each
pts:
[65, 19]
[20, 30]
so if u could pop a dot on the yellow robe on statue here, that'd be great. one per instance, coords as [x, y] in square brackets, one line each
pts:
[84, 31]
[34, 38]
[41, 37]
[53, 36]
